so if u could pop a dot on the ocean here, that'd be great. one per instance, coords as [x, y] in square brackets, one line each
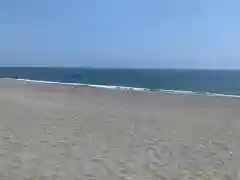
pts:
[209, 82]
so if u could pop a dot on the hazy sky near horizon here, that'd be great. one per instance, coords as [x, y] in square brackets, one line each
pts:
[120, 33]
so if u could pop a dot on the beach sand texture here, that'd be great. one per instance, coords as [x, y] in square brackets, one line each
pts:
[60, 132]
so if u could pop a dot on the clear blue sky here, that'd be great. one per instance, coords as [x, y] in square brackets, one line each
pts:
[121, 33]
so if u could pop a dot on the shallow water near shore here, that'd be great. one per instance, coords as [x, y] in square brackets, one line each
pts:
[205, 82]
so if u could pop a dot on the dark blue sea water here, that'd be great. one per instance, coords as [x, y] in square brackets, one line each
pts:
[201, 81]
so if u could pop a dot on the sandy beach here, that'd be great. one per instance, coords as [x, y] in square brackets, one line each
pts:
[60, 132]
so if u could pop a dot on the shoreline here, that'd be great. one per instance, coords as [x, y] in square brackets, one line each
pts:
[124, 88]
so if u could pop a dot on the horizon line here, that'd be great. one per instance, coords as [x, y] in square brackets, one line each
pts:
[130, 68]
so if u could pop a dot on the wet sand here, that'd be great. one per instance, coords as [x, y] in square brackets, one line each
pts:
[60, 132]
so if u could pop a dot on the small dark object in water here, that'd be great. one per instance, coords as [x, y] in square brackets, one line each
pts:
[15, 77]
[75, 76]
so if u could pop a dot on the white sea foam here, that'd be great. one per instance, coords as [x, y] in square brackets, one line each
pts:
[117, 87]
[180, 92]
[89, 85]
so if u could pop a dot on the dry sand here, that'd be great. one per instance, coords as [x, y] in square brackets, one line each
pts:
[53, 132]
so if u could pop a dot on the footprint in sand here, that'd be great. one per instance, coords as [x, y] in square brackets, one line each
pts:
[126, 170]
[159, 155]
